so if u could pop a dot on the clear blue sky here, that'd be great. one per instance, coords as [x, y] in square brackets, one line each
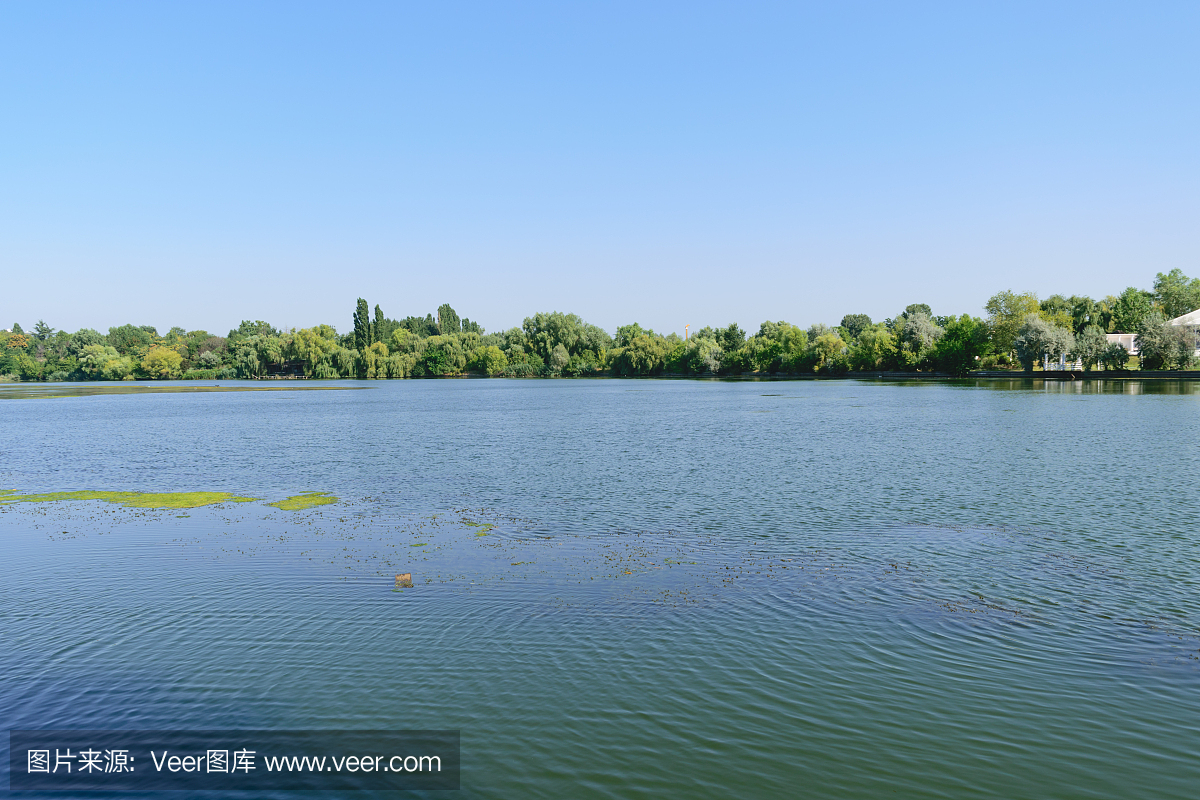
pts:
[200, 163]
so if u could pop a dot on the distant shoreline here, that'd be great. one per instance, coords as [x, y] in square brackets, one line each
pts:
[238, 384]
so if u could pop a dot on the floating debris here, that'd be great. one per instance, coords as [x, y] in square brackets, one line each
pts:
[404, 581]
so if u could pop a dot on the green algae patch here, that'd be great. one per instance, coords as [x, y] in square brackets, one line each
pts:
[136, 499]
[307, 500]
[484, 527]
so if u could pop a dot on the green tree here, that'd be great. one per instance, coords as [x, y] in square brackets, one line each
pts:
[559, 357]
[192, 342]
[1176, 293]
[1057, 310]
[420, 326]
[400, 365]
[314, 347]
[117, 369]
[363, 335]
[82, 338]
[1162, 345]
[42, 332]
[830, 352]
[208, 360]
[162, 363]
[448, 321]
[489, 360]
[131, 339]
[1038, 339]
[269, 349]
[698, 355]
[1007, 312]
[819, 329]
[775, 348]
[16, 328]
[543, 331]
[93, 357]
[1115, 357]
[964, 341]
[1084, 312]
[245, 361]
[1090, 346]
[854, 324]
[256, 328]
[627, 333]
[442, 355]
[1131, 306]
[645, 355]
[342, 363]
[875, 348]
[731, 338]
[377, 327]
[916, 337]
[402, 340]
[375, 359]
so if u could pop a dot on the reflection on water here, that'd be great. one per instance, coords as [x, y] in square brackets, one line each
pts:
[27, 391]
[1105, 386]
[883, 590]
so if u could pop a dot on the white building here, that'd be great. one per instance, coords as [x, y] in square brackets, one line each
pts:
[1129, 340]
[1191, 320]
[1126, 340]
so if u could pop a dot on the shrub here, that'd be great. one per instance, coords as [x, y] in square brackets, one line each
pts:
[523, 371]
[208, 360]
[1115, 357]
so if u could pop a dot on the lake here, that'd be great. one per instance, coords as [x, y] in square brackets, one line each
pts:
[633, 588]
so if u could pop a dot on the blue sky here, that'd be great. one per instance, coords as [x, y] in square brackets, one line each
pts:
[196, 164]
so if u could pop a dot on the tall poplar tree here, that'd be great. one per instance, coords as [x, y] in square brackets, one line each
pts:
[447, 320]
[362, 327]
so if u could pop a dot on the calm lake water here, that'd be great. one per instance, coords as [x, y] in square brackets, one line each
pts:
[690, 589]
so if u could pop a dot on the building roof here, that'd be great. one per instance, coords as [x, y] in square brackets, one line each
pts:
[1191, 318]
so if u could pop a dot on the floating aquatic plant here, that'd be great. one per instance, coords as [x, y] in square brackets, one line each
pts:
[304, 501]
[135, 499]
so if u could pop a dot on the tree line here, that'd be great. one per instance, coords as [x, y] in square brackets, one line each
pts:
[1019, 331]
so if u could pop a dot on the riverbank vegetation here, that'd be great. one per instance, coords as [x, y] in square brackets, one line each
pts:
[1019, 331]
